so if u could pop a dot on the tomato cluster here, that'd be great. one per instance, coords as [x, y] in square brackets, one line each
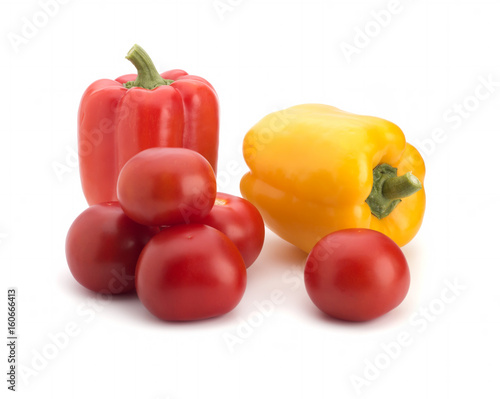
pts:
[181, 245]
[185, 248]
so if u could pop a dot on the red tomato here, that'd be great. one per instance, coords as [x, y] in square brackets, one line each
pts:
[102, 248]
[356, 274]
[240, 221]
[190, 272]
[165, 186]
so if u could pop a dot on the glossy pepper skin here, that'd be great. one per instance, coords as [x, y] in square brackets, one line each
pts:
[311, 172]
[119, 118]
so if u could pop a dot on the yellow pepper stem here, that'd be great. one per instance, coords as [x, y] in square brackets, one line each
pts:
[401, 186]
[388, 189]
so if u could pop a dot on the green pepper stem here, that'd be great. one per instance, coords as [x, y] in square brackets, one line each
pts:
[388, 189]
[147, 75]
[401, 186]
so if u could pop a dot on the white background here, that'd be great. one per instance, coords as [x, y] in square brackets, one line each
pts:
[261, 56]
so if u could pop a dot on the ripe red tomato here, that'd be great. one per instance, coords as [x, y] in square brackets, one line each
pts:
[166, 186]
[356, 274]
[102, 248]
[240, 221]
[190, 272]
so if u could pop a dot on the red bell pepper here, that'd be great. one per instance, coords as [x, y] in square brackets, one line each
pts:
[119, 118]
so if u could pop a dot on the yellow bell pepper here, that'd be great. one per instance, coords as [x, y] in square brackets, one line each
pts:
[315, 169]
